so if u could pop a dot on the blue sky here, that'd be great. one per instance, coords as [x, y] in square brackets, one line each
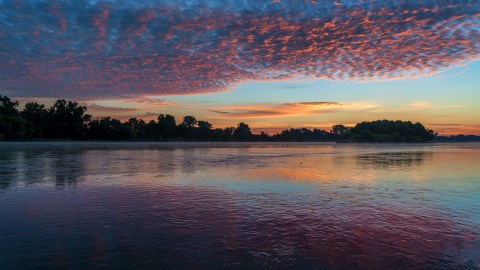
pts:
[448, 101]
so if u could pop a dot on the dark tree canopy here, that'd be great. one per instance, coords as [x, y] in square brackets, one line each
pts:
[339, 130]
[242, 132]
[12, 125]
[389, 131]
[68, 120]
[304, 135]
[166, 125]
[36, 116]
[189, 121]
[458, 138]
[8, 107]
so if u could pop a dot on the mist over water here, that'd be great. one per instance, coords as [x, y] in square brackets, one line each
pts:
[239, 206]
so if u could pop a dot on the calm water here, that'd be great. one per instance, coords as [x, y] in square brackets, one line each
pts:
[239, 206]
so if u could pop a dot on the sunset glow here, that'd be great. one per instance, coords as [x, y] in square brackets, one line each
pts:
[273, 64]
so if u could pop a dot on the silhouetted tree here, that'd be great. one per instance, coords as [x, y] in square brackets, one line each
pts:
[187, 129]
[242, 132]
[339, 131]
[458, 138]
[389, 131]
[227, 134]
[136, 128]
[321, 135]
[204, 132]
[107, 128]
[263, 137]
[166, 125]
[12, 125]
[36, 116]
[189, 121]
[67, 120]
[8, 107]
[302, 135]
[151, 131]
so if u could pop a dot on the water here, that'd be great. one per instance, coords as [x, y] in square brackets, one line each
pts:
[239, 206]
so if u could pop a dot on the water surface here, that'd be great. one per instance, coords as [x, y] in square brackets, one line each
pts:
[239, 206]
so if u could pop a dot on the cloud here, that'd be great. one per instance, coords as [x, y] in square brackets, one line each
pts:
[286, 109]
[420, 104]
[316, 103]
[127, 49]
[151, 114]
[449, 125]
[457, 106]
[149, 101]
[428, 104]
[219, 112]
[454, 129]
[98, 108]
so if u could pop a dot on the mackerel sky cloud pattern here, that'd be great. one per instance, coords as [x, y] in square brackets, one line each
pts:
[123, 49]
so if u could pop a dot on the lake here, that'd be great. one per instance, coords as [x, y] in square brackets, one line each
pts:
[239, 206]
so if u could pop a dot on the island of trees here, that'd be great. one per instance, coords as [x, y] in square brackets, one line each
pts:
[68, 120]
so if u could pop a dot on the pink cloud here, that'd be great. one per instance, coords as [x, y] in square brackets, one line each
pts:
[125, 50]
[286, 109]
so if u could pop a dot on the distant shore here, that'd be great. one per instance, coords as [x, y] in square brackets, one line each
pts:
[68, 121]
[207, 143]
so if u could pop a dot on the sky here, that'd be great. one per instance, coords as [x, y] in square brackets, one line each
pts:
[273, 64]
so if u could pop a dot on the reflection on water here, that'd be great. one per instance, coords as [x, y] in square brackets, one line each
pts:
[239, 206]
[393, 160]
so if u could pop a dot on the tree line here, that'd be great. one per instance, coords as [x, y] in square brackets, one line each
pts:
[68, 120]
[458, 138]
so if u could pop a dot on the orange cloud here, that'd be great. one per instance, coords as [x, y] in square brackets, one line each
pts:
[286, 109]
[143, 107]
[95, 108]
[455, 129]
[150, 101]
[420, 104]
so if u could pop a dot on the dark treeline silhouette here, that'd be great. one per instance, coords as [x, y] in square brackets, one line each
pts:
[387, 131]
[458, 138]
[67, 120]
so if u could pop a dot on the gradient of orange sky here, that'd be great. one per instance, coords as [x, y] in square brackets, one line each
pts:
[448, 103]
